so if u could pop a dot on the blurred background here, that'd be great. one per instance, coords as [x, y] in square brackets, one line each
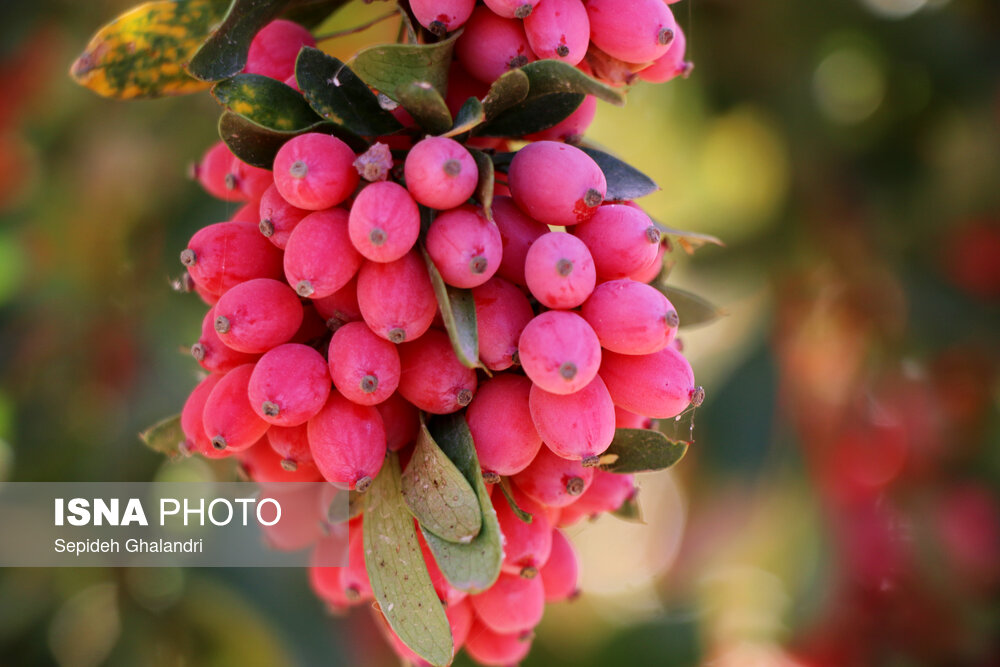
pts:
[840, 505]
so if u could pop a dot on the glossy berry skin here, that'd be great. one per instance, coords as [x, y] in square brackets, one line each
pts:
[384, 223]
[512, 604]
[559, 29]
[220, 256]
[465, 247]
[440, 173]
[630, 317]
[257, 315]
[578, 426]
[492, 45]
[526, 546]
[364, 367]
[263, 464]
[671, 64]
[500, 422]
[274, 49]
[659, 385]
[561, 573]
[192, 424]
[396, 299]
[607, 492]
[559, 270]
[289, 385]
[502, 312]
[315, 171]
[340, 307]
[556, 184]
[635, 31]
[250, 181]
[277, 217]
[401, 419]
[495, 649]
[319, 256]
[572, 128]
[442, 16]
[214, 173]
[552, 480]
[230, 423]
[559, 352]
[347, 442]
[290, 443]
[517, 233]
[622, 239]
[432, 377]
[512, 9]
[212, 354]
[649, 273]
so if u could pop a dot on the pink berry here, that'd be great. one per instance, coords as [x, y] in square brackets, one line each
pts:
[511, 9]
[289, 385]
[635, 31]
[502, 312]
[559, 270]
[495, 649]
[440, 173]
[622, 240]
[277, 217]
[512, 604]
[401, 419]
[257, 315]
[263, 464]
[313, 330]
[442, 16]
[556, 184]
[250, 181]
[192, 422]
[298, 527]
[578, 426]
[347, 442]
[325, 579]
[466, 247]
[291, 443]
[626, 419]
[526, 546]
[319, 257]
[230, 422]
[491, 45]
[462, 86]
[384, 222]
[561, 573]
[396, 299]
[606, 493]
[364, 367]
[246, 213]
[559, 29]
[274, 49]
[460, 618]
[630, 317]
[354, 578]
[212, 354]
[340, 307]
[500, 422]
[432, 377]
[214, 173]
[671, 64]
[659, 385]
[517, 233]
[552, 480]
[559, 352]
[315, 171]
[649, 273]
[572, 128]
[221, 256]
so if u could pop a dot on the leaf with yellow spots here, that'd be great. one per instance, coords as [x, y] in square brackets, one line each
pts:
[143, 52]
[265, 101]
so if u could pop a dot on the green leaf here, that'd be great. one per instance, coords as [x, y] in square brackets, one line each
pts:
[389, 67]
[510, 89]
[141, 54]
[458, 310]
[257, 145]
[484, 188]
[690, 241]
[397, 572]
[439, 497]
[625, 182]
[692, 310]
[469, 116]
[521, 514]
[532, 115]
[475, 566]
[641, 450]
[265, 101]
[554, 76]
[165, 436]
[425, 104]
[338, 95]
[630, 510]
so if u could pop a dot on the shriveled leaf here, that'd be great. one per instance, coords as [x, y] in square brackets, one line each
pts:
[425, 104]
[510, 89]
[338, 95]
[397, 572]
[630, 510]
[484, 188]
[690, 241]
[469, 116]
[641, 450]
[532, 115]
[389, 67]
[521, 514]
[265, 101]
[458, 310]
[440, 498]
[692, 310]
[224, 53]
[165, 436]
[475, 566]
[142, 53]
[554, 76]
[625, 182]
[257, 145]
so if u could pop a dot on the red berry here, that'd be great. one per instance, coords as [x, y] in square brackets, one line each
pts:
[340, 307]
[290, 443]
[460, 618]
[354, 578]
[384, 222]
[432, 377]
[671, 64]
[212, 354]
[649, 273]
[347, 442]
[496, 649]
[559, 352]
[257, 315]
[221, 256]
[263, 464]
[502, 312]
[442, 16]
[289, 385]
[364, 367]
[277, 217]
[448, 595]
[246, 213]
[622, 240]
[517, 233]
[511, 9]
[396, 299]
[578, 426]
[299, 525]
[559, 270]
[500, 422]
[250, 181]
[315, 171]
[466, 247]
[491, 45]
[192, 422]
[401, 419]
[512, 604]
[214, 173]
[659, 385]
[313, 330]
[526, 546]
[319, 257]
[571, 128]
[274, 49]
[440, 173]
[556, 184]
[606, 493]
[552, 480]
[325, 579]
[559, 29]
[635, 31]
[462, 86]
[561, 573]
[630, 317]
[230, 423]
[626, 419]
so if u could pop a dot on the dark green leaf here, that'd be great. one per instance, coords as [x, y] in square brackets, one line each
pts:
[469, 116]
[475, 566]
[397, 572]
[426, 105]
[165, 436]
[257, 145]
[630, 510]
[510, 89]
[224, 53]
[554, 76]
[458, 310]
[690, 241]
[440, 498]
[484, 189]
[692, 310]
[521, 514]
[388, 67]
[532, 115]
[265, 101]
[625, 182]
[502, 161]
[641, 450]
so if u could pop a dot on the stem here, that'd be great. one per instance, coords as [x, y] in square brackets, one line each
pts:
[357, 29]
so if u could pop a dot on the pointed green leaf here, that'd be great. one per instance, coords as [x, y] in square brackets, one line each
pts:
[469, 116]
[439, 497]
[532, 115]
[165, 436]
[458, 310]
[257, 145]
[521, 514]
[265, 101]
[389, 67]
[625, 182]
[630, 510]
[338, 95]
[484, 188]
[426, 105]
[692, 310]
[510, 89]
[397, 572]
[690, 241]
[554, 76]
[475, 566]
[641, 450]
